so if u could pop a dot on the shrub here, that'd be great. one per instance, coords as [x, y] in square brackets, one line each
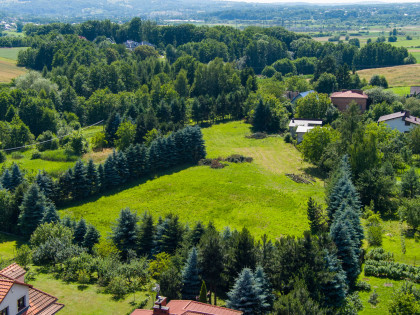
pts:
[363, 286]
[373, 299]
[117, 287]
[17, 155]
[288, 137]
[24, 256]
[36, 155]
[59, 156]
[51, 144]
[374, 235]
[237, 158]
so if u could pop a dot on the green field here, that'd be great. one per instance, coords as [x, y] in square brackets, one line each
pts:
[400, 90]
[257, 195]
[416, 54]
[10, 53]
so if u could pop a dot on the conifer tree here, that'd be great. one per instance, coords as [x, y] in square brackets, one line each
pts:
[264, 290]
[335, 287]
[31, 210]
[111, 127]
[101, 177]
[244, 251]
[124, 232]
[92, 177]
[132, 157]
[315, 216]
[196, 233]
[91, 238]
[111, 176]
[146, 235]
[244, 296]
[410, 184]
[51, 214]
[121, 166]
[190, 277]
[46, 185]
[80, 232]
[161, 228]
[6, 180]
[203, 293]
[346, 249]
[65, 184]
[80, 183]
[16, 178]
[171, 236]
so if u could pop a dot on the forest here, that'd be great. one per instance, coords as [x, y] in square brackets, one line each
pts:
[153, 102]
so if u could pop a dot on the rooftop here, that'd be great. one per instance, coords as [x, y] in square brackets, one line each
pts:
[13, 271]
[350, 94]
[402, 114]
[304, 122]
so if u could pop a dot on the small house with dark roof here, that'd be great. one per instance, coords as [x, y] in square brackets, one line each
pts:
[301, 95]
[18, 297]
[343, 99]
[185, 307]
[402, 121]
[301, 126]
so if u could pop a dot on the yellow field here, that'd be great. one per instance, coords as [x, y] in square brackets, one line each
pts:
[9, 70]
[406, 75]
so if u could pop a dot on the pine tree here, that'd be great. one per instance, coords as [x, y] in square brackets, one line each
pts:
[65, 184]
[203, 293]
[132, 161]
[196, 233]
[161, 227]
[124, 232]
[346, 249]
[244, 296]
[80, 232]
[51, 214]
[111, 176]
[190, 277]
[121, 166]
[264, 290]
[91, 238]
[335, 287]
[17, 177]
[80, 183]
[31, 210]
[146, 235]
[355, 227]
[111, 127]
[46, 185]
[172, 235]
[92, 177]
[315, 216]
[410, 184]
[244, 251]
[101, 177]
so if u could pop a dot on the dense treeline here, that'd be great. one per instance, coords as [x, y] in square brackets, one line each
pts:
[25, 205]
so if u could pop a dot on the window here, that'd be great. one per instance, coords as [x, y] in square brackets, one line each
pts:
[5, 311]
[21, 303]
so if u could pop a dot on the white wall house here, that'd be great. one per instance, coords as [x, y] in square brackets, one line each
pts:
[402, 121]
[16, 299]
[302, 126]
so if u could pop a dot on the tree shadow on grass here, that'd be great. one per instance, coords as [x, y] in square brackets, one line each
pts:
[125, 186]
[315, 172]
[82, 287]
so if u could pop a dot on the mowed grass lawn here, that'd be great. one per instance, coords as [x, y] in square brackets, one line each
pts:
[406, 75]
[255, 195]
[11, 53]
[8, 68]
[87, 300]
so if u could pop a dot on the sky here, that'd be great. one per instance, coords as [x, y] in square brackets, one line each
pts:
[329, 1]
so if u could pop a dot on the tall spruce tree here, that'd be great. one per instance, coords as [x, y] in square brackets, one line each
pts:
[92, 177]
[51, 214]
[91, 238]
[80, 183]
[16, 178]
[264, 290]
[316, 222]
[80, 232]
[32, 210]
[111, 127]
[244, 296]
[146, 235]
[410, 184]
[346, 249]
[6, 180]
[124, 232]
[191, 277]
[111, 175]
[46, 185]
[244, 251]
[334, 288]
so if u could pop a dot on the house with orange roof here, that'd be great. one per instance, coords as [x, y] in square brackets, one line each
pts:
[185, 307]
[20, 298]
[343, 99]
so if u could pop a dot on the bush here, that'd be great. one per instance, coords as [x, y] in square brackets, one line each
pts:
[374, 235]
[288, 137]
[36, 155]
[373, 299]
[17, 155]
[117, 287]
[59, 156]
[51, 144]
[237, 158]
[363, 286]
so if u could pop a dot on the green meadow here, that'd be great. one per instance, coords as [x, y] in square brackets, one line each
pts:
[10, 53]
[256, 195]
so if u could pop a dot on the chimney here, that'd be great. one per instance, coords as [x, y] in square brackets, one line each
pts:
[160, 307]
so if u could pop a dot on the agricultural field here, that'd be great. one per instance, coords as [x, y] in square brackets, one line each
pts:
[406, 75]
[8, 68]
[257, 195]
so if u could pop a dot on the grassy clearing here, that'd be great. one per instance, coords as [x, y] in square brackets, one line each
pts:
[406, 75]
[8, 244]
[384, 288]
[416, 54]
[257, 195]
[87, 300]
[10, 53]
[400, 90]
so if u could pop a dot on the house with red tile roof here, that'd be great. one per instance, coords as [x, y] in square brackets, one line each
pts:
[343, 99]
[185, 307]
[18, 297]
[402, 121]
